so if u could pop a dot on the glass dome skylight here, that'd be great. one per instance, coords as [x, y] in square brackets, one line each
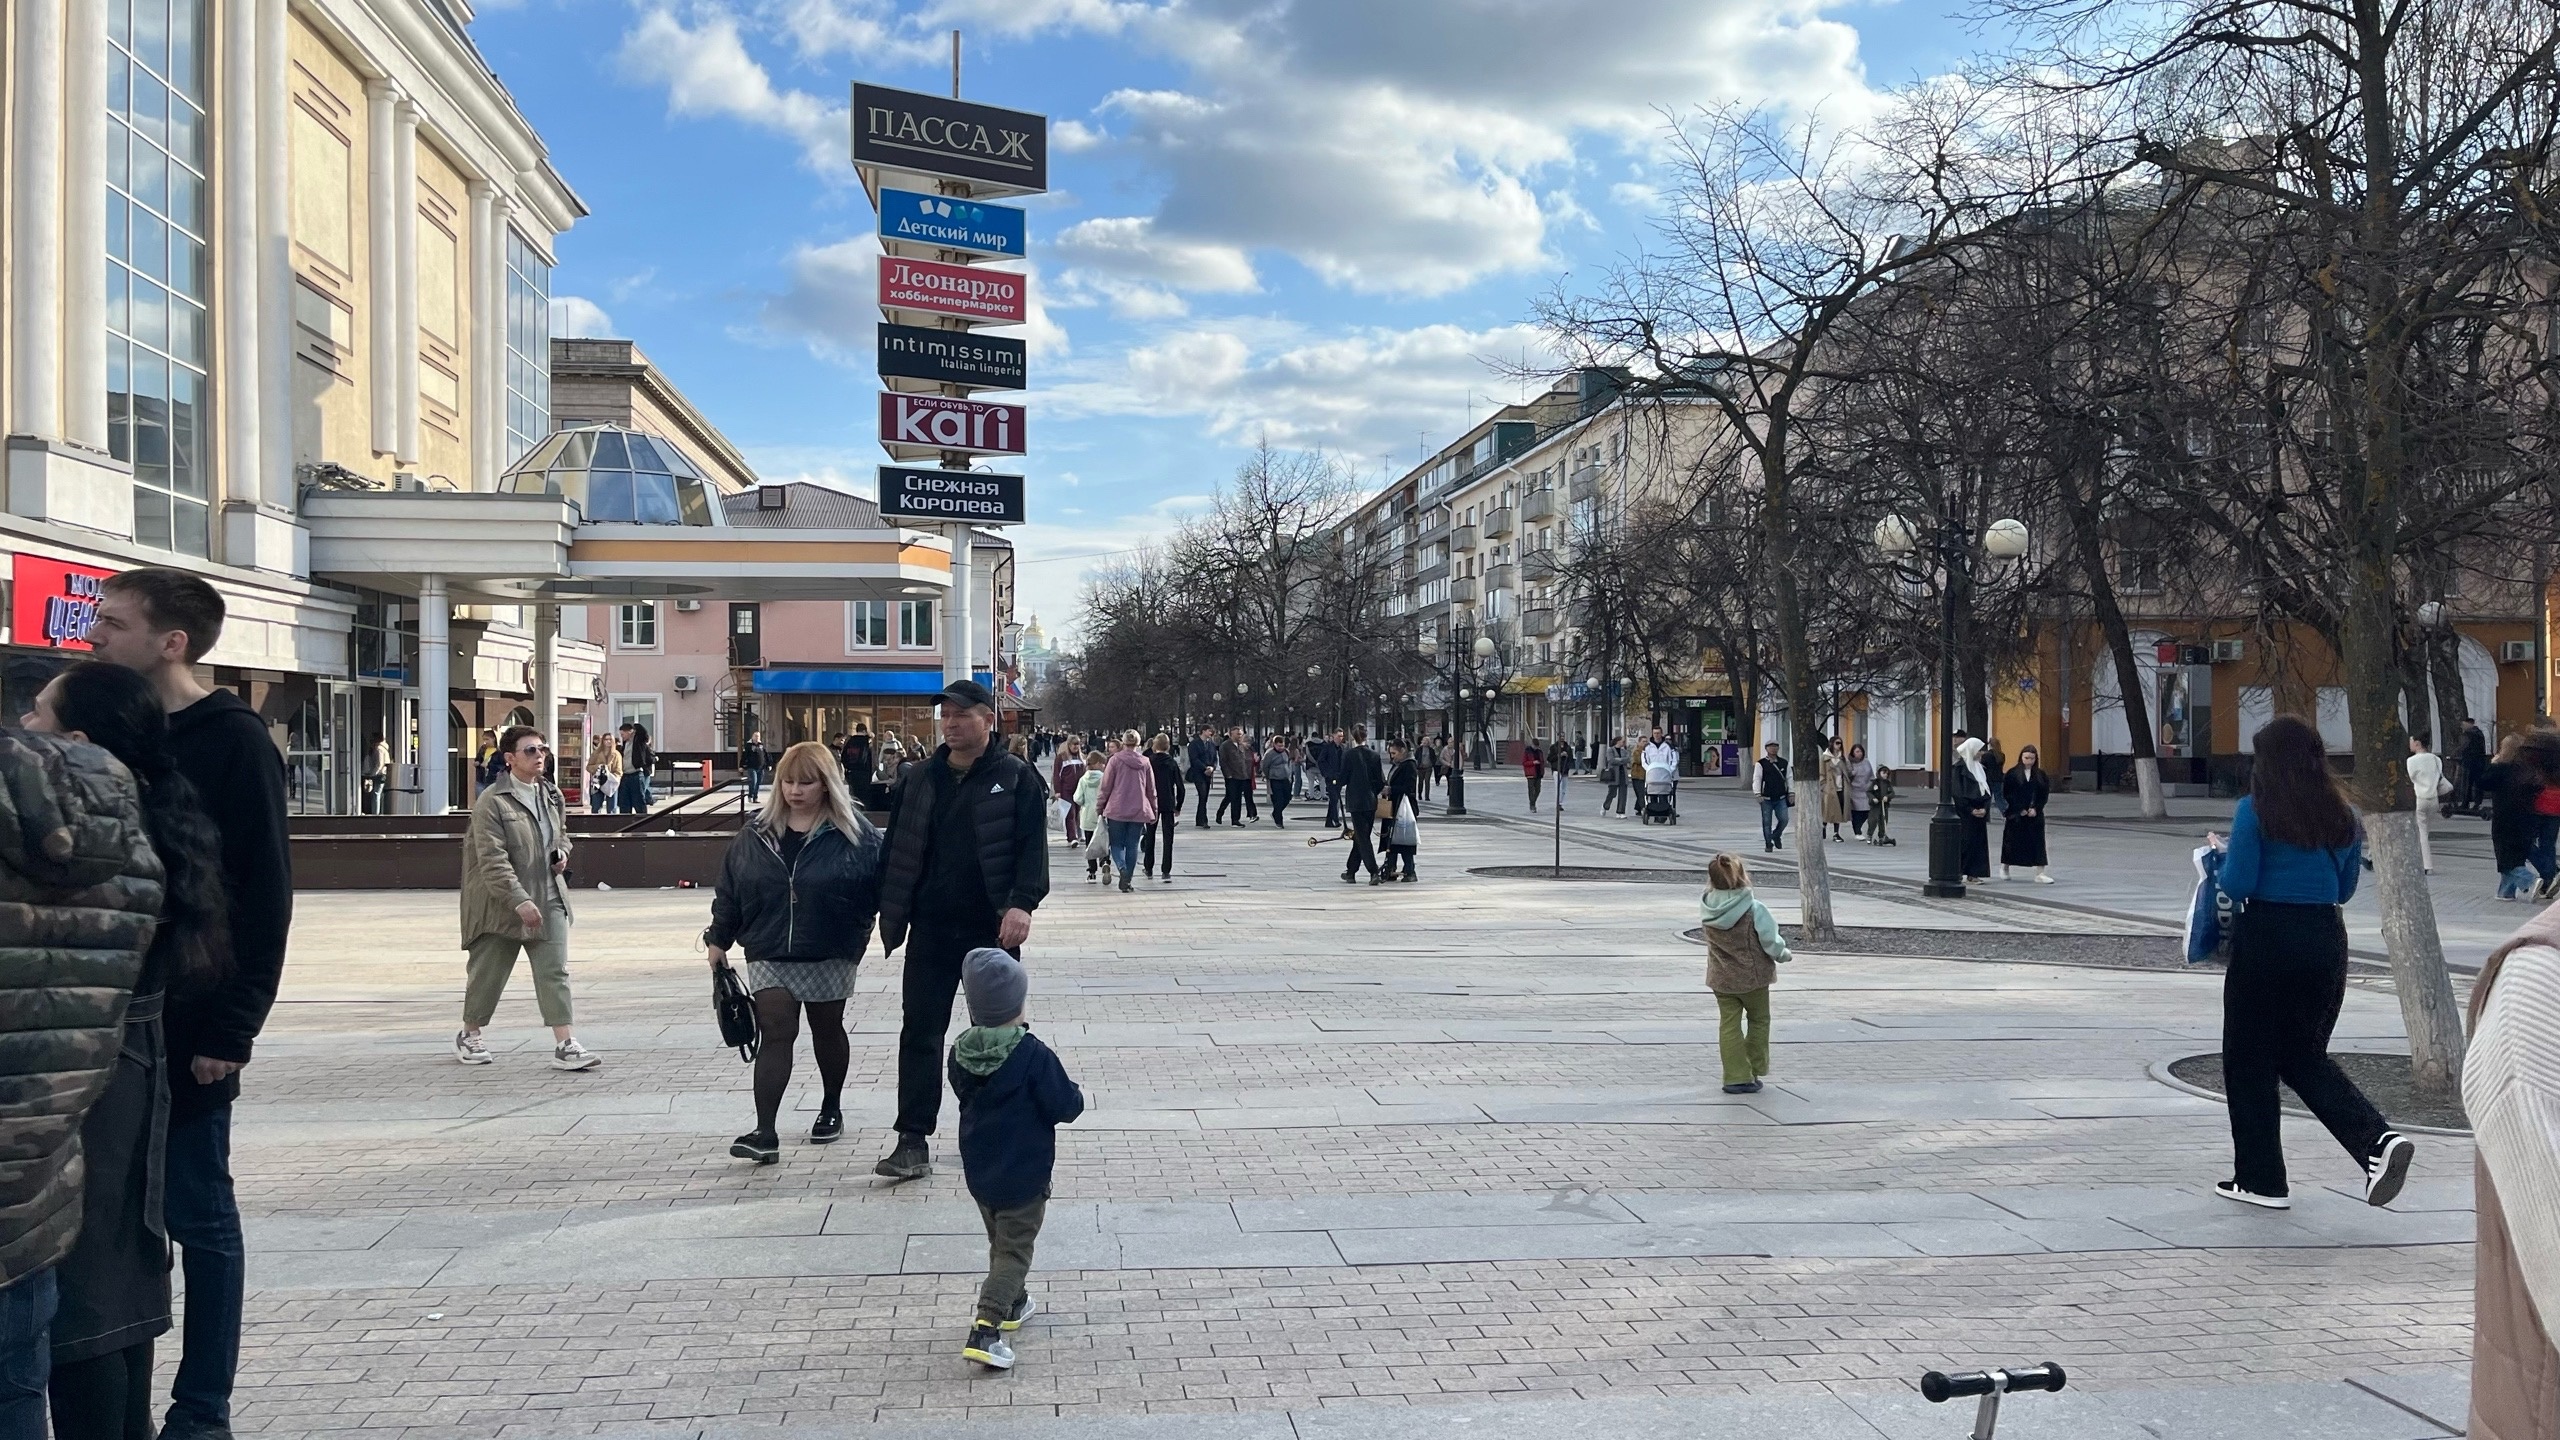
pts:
[615, 476]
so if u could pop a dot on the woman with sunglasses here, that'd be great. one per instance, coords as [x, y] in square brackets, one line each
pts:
[515, 897]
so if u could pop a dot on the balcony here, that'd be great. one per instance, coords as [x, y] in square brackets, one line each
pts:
[1539, 566]
[1499, 523]
[1538, 624]
[1585, 482]
[1462, 539]
[1540, 505]
[1431, 572]
[1502, 577]
[1462, 591]
[1433, 527]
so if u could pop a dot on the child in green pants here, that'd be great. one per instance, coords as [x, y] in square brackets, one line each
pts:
[1744, 951]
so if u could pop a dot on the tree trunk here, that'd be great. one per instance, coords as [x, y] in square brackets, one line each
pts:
[2427, 1008]
[2119, 638]
[1804, 717]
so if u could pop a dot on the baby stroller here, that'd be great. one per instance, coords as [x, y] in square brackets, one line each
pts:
[1661, 795]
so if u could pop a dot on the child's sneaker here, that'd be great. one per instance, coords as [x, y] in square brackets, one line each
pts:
[988, 1348]
[1023, 1309]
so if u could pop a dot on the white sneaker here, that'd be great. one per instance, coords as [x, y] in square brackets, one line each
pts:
[2043, 879]
[570, 1055]
[2230, 1190]
[469, 1048]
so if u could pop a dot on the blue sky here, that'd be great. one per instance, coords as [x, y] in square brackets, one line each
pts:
[1324, 221]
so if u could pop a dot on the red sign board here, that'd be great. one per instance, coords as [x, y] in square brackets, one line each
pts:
[52, 603]
[972, 292]
[931, 422]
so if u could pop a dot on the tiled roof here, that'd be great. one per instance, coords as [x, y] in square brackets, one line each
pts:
[808, 507]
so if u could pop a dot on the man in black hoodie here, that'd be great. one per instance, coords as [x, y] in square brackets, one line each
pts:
[964, 862]
[161, 622]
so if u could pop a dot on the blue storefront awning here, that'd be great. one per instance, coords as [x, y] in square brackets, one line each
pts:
[877, 681]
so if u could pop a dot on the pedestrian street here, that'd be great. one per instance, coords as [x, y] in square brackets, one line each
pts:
[1359, 1162]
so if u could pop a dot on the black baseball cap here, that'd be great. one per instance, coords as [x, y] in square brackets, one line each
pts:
[969, 692]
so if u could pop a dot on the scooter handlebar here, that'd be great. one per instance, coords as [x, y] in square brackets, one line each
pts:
[1939, 1387]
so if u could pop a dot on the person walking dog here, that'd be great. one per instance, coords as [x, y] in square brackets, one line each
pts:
[798, 890]
[515, 900]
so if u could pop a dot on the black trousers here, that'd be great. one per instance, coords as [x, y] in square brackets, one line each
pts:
[1364, 850]
[1232, 802]
[1333, 804]
[931, 981]
[1160, 829]
[105, 1397]
[1200, 785]
[2279, 1002]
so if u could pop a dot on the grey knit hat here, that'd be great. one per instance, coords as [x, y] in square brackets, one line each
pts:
[997, 985]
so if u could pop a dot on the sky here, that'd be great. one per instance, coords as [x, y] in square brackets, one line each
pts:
[1321, 222]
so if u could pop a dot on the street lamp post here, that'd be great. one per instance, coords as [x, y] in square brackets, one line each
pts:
[2001, 540]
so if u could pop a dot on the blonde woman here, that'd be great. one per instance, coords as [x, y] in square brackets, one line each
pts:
[799, 891]
[604, 772]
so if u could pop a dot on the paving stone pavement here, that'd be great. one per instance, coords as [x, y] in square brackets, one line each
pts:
[1361, 1162]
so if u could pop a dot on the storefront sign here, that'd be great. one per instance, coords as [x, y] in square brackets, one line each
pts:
[948, 224]
[934, 423]
[53, 603]
[973, 496]
[996, 297]
[953, 357]
[936, 135]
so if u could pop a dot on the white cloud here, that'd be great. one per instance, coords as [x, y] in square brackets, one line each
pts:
[575, 317]
[1132, 247]
[1365, 395]
[707, 71]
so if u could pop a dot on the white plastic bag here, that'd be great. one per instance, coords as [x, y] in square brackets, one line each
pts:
[1407, 830]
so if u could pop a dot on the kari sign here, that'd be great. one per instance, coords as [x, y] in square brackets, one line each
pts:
[948, 224]
[995, 297]
[936, 135]
[952, 357]
[930, 422]
[972, 496]
[52, 603]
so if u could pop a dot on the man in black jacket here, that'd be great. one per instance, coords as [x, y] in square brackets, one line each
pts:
[1328, 758]
[1363, 780]
[161, 622]
[1203, 755]
[964, 862]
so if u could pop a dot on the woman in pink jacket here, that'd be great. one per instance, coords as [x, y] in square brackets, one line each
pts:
[1128, 802]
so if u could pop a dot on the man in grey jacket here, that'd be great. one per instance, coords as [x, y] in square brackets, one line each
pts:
[79, 893]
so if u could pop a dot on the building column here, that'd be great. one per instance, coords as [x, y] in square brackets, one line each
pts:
[435, 695]
[404, 280]
[274, 487]
[235, 179]
[84, 226]
[382, 262]
[35, 250]
[955, 611]
[485, 318]
[546, 676]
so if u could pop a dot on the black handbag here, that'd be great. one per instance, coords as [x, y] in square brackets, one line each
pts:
[735, 1012]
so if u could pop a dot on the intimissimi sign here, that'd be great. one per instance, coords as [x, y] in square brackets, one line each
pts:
[904, 130]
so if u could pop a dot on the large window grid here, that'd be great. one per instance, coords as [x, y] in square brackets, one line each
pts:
[158, 345]
[528, 347]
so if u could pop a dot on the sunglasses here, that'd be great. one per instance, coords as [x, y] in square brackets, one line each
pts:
[536, 748]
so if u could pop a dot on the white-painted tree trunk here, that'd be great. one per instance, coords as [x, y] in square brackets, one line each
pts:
[1813, 862]
[2427, 1007]
[2146, 778]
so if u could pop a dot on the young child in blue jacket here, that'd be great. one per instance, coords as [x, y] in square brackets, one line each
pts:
[1013, 1096]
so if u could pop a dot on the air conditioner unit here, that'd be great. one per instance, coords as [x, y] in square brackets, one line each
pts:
[688, 606]
[2511, 651]
[2227, 651]
[687, 684]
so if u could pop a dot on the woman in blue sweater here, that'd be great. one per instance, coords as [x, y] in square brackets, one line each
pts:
[2294, 854]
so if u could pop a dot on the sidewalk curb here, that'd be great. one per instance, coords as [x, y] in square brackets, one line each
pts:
[2159, 1070]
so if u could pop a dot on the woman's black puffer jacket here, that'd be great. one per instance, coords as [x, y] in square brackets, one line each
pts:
[820, 907]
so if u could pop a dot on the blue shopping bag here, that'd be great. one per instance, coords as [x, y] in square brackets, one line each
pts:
[2209, 911]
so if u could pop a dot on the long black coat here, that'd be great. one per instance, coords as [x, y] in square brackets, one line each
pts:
[2512, 823]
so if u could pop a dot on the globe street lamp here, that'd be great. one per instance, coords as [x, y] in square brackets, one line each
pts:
[1898, 538]
[1484, 650]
